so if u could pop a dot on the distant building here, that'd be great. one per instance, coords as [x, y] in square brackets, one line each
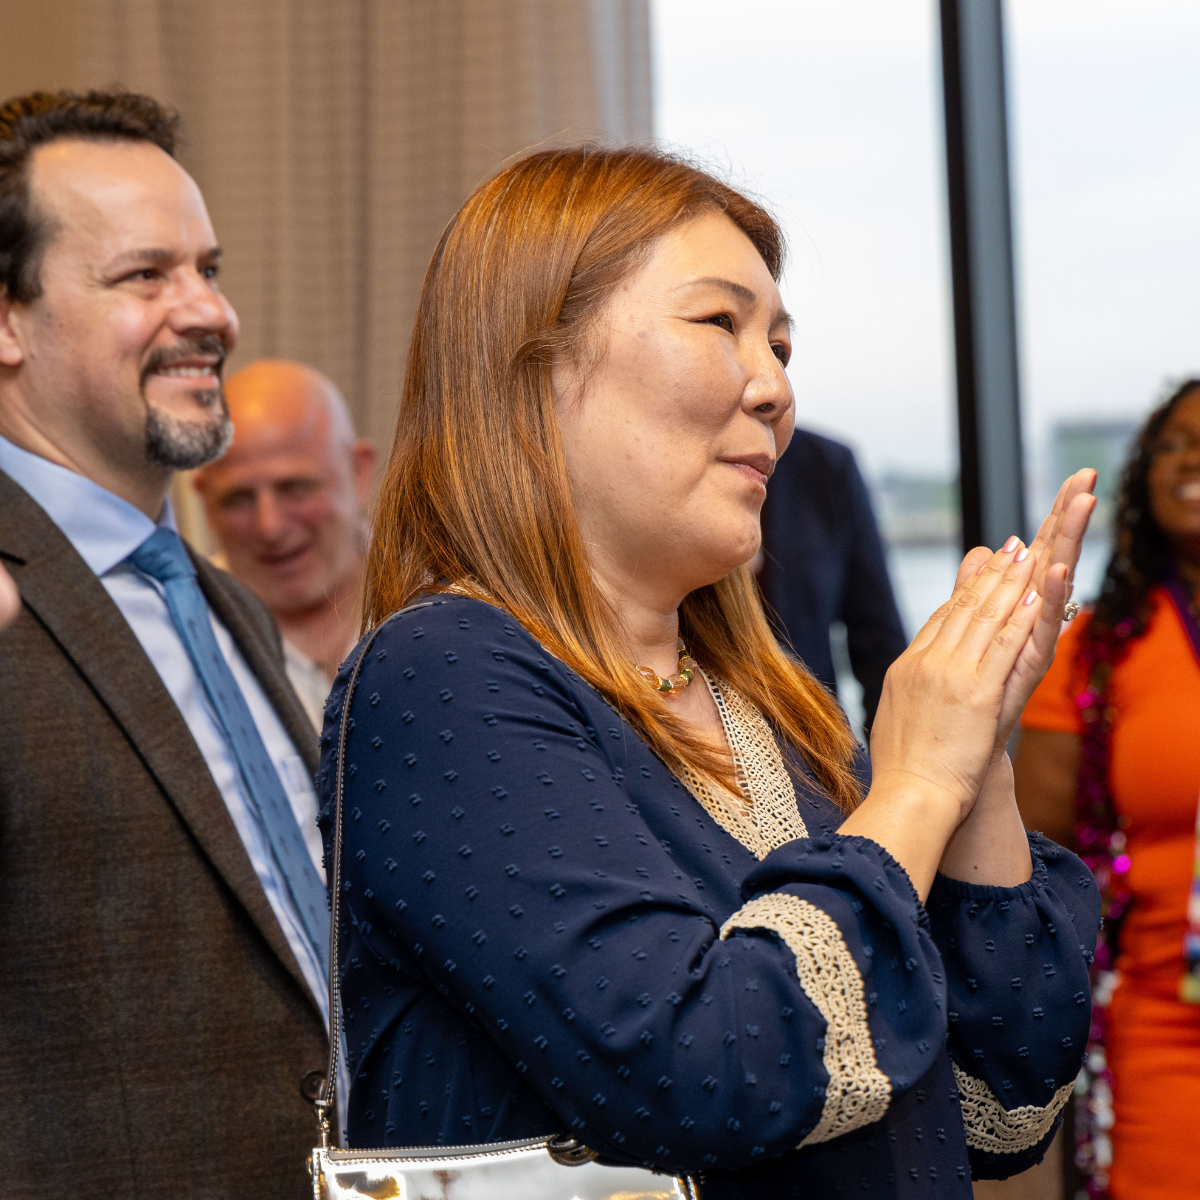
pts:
[917, 510]
[1093, 443]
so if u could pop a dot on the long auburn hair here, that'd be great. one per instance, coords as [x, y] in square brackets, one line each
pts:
[476, 496]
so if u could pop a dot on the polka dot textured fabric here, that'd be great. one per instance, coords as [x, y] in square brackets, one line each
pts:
[545, 930]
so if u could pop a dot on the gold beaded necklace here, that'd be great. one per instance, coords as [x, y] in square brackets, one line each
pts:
[672, 683]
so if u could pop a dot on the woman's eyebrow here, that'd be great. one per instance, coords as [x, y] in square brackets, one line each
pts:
[742, 292]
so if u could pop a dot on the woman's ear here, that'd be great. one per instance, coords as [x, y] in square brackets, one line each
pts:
[566, 382]
[575, 364]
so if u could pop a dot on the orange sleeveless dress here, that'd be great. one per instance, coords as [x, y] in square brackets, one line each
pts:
[1154, 1039]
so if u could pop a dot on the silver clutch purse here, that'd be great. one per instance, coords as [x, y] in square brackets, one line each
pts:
[545, 1168]
[526, 1170]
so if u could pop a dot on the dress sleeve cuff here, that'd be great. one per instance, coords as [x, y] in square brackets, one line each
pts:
[842, 860]
[946, 887]
[858, 1092]
[992, 1128]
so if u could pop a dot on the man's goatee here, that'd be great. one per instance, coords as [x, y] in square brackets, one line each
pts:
[185, 445]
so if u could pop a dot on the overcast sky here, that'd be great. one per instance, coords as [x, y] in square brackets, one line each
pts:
[831, 111]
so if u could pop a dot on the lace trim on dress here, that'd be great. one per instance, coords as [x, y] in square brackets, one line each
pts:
[858, 1092]
[990, 1126]
[766, 815]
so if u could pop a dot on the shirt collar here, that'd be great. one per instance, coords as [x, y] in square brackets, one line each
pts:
[103, 528]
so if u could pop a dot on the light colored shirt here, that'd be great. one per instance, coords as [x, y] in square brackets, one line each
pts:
[104, 530]
[310, 681]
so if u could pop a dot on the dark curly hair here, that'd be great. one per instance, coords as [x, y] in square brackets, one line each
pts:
[27, 122]
[1141, 556]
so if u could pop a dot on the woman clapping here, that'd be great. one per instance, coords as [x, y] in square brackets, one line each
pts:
[608, 861]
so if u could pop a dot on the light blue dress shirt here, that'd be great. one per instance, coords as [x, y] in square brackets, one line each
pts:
[104, 529]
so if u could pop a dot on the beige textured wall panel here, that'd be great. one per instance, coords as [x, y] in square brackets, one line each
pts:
[333, 139]
[41, 45]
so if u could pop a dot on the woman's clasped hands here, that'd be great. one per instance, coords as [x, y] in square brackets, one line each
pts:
[942, 794]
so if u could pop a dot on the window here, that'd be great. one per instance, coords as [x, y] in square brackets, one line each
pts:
[832, 113]
[1106, 167]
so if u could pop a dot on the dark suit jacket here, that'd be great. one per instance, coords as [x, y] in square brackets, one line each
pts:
[154, 1024]
[824, 562]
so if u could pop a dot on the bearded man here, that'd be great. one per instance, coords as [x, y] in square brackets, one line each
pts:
[162, 908]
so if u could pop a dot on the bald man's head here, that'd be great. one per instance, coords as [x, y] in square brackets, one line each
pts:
[274, 394]
[286, 501]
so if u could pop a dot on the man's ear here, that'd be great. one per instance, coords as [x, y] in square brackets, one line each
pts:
[362, 457]
[11, 352]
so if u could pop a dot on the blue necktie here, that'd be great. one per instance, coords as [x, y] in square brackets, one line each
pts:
[162, 556]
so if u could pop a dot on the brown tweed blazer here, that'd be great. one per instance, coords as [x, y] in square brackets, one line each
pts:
[154, 1024]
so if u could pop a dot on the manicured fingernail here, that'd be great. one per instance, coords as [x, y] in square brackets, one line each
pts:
[1010, 545]
[1031, 597]
[1022, 554]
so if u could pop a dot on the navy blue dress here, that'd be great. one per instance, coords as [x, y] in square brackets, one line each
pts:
[546, 931]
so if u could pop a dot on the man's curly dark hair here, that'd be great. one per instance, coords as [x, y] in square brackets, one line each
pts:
[27, 122]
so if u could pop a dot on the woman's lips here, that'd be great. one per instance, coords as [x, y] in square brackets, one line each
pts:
[755, 467]
[751, 473]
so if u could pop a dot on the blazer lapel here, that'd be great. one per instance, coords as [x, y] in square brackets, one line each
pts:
[72, 605]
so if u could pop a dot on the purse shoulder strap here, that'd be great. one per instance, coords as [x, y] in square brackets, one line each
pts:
[328, 1092]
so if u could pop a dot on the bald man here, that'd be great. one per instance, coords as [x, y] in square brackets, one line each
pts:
[286, 503]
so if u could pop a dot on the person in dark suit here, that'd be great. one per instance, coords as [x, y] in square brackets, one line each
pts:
[823, 562]
[161, 896]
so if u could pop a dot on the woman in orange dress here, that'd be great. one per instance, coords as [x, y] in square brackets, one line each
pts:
[1109, 760]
